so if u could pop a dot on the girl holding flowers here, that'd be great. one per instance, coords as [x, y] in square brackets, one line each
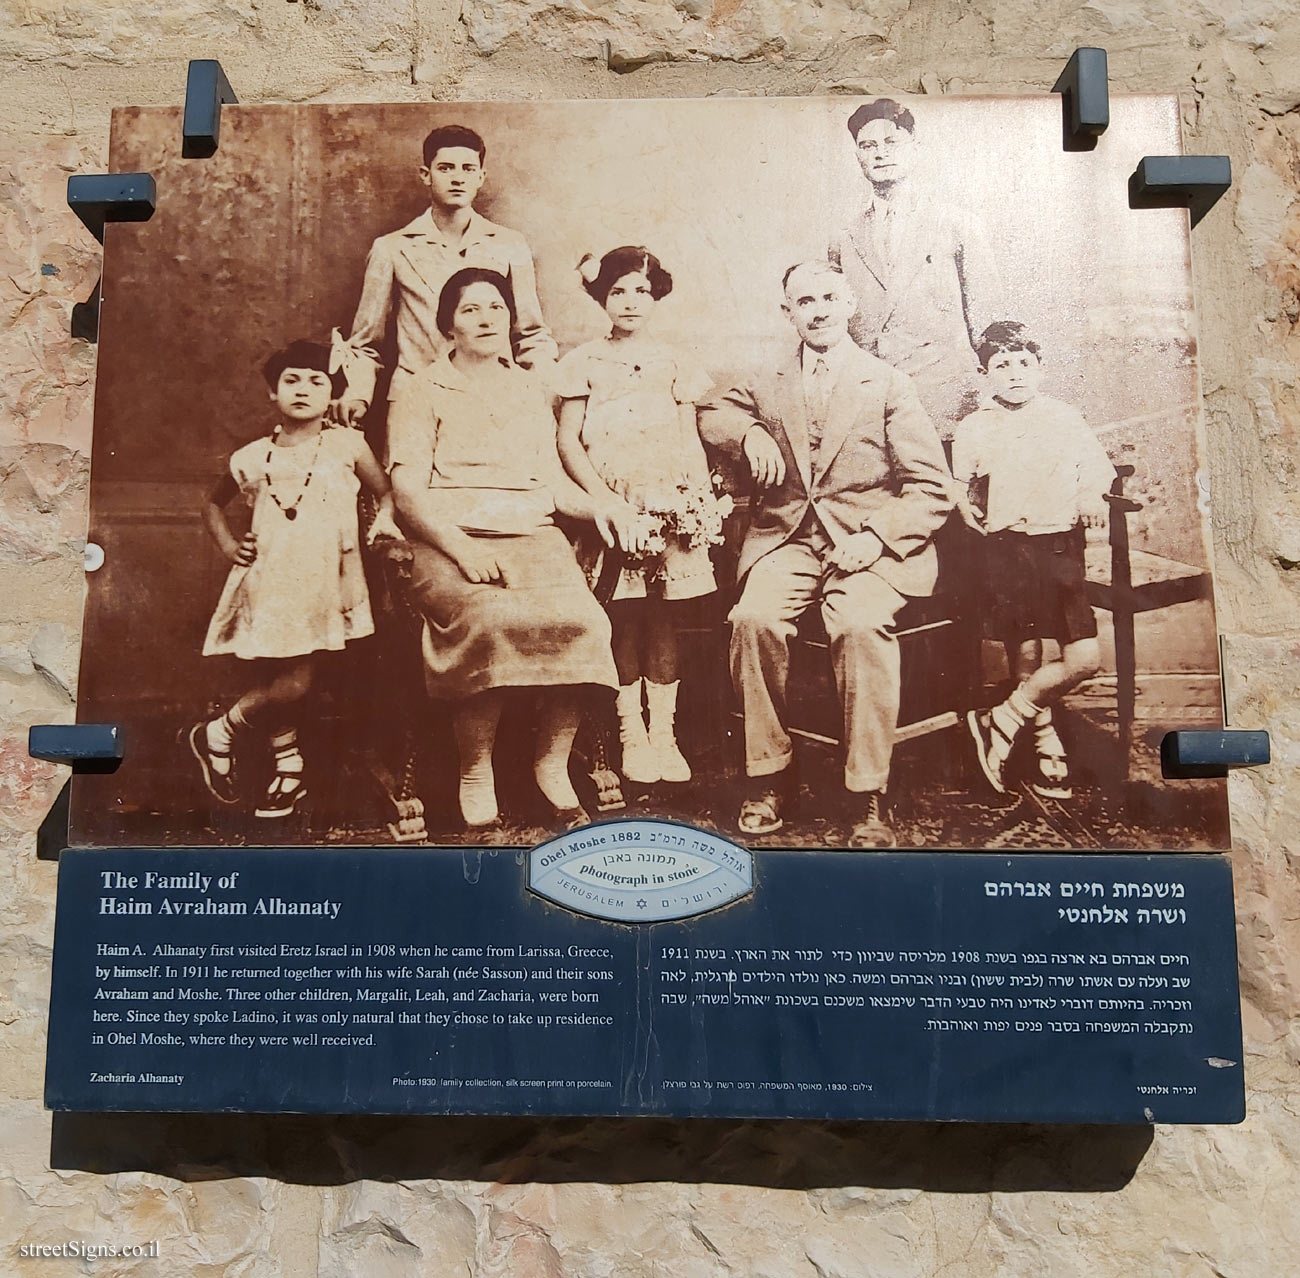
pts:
[627, 429]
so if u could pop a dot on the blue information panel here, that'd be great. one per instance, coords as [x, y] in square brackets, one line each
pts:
[1025, 988]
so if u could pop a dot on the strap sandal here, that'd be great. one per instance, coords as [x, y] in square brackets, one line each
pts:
[220, 785]
[410, 825]
[1053, 779]
[992, 746]
[286, 791]
[762, 813]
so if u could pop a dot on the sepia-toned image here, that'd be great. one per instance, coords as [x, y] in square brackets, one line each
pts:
[824, 472]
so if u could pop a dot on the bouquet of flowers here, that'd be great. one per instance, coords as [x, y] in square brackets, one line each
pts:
[688, 515]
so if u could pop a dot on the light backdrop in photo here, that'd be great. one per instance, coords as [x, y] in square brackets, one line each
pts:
[268, 240]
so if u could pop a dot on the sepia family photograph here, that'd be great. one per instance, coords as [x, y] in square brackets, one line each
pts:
[823, 472]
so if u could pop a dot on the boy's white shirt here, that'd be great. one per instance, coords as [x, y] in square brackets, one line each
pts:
[1046, 468]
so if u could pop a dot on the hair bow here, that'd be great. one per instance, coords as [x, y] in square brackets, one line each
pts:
[346, 358]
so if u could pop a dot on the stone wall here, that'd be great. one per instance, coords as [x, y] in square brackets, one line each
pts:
[434, 1197]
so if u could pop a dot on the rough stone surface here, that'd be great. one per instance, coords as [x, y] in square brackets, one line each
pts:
[254, 1197]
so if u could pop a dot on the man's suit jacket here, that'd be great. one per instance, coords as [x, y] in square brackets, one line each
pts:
[924, 301]
[405, 273]
[880, 465]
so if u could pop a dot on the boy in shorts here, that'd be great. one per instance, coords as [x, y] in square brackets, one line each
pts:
[1036, 477]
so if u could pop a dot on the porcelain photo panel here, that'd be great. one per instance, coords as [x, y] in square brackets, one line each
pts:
[822, 473]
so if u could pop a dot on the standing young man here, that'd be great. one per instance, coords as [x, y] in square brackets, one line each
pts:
[407, 268]
[921, 269]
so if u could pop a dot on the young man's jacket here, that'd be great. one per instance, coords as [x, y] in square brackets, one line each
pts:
[405, 273]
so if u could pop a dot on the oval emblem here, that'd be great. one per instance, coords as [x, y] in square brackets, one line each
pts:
[640, 871]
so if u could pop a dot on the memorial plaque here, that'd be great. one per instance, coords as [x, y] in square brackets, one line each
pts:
[967, 986]
[551, 555]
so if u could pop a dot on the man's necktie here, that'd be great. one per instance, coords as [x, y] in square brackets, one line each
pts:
[819, 398]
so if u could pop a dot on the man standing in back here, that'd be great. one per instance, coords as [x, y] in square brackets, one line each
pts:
[922, 271]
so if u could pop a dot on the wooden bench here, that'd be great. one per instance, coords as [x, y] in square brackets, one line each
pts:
[1126, 582]
[939, 647]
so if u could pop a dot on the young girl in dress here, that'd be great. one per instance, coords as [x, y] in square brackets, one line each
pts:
[627, 428]
[296, 587]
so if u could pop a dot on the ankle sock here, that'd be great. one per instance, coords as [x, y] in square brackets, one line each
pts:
[553, 781]
[1010, 718]
[1044, 728]
[627, 703]
[1022, 706]
[478, 794]
[662, 700]
[288, 758]
[219, 734]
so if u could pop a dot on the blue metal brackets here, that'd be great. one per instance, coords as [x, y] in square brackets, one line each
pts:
[75, 742]
[1084, 87]
[206, 89]
[1211, 754]
[97, 198]
[1194, 182]
[88, 747]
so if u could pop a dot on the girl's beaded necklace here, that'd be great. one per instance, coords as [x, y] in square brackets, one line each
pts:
[290, 512]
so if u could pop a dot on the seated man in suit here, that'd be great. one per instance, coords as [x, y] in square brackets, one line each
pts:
[852, 487]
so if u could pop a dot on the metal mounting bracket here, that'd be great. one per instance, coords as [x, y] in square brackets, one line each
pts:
[99, 198]
[1084, 87]
[1212, 754]
[1193, 182]
[206, 90]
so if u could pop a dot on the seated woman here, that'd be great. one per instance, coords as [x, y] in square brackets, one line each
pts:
[477, 481]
